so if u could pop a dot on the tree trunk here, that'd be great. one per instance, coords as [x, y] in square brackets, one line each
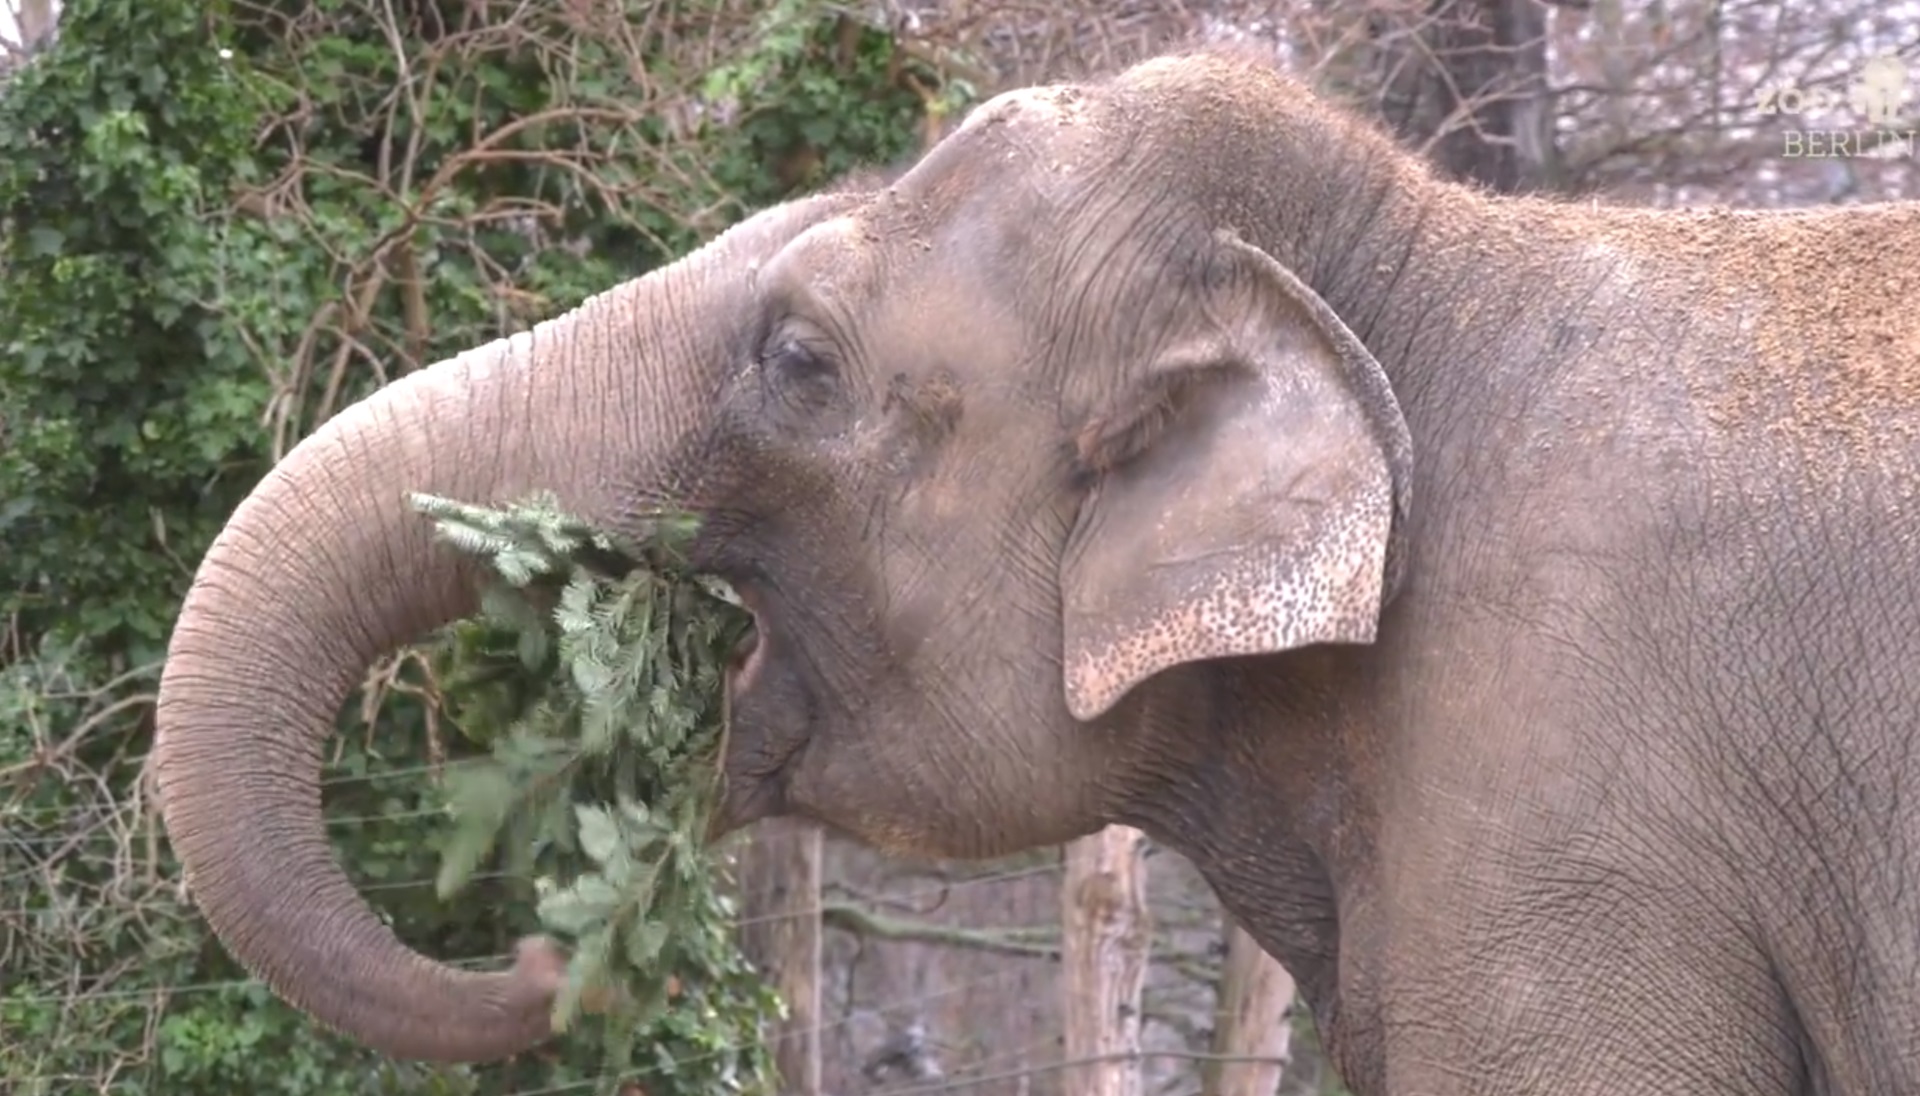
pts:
[1108, 932]
[35, 21]
[29, 30]
[1252, 1022]
[779, 872]
[1465, 82]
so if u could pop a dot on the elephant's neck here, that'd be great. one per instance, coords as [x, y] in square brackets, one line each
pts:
[1433, 278]
[1256, 847]
[1251, 809]
[1398, 252]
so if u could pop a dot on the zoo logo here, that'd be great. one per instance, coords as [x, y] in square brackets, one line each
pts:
[1876, 93]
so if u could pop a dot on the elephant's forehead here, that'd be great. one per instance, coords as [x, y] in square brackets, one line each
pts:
[1020, 147]
[1031, 111]
[971, 211]
[833, 259]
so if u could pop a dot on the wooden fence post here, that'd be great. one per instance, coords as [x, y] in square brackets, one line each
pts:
[1107, 933]
[1251, 1020]
[779, 875]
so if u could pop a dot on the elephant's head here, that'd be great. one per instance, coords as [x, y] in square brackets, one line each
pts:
[984, 451]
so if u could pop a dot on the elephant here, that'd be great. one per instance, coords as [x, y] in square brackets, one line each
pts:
[1499, 599]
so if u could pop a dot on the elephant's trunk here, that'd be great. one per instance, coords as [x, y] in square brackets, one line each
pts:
[322, 569]
[325, 567]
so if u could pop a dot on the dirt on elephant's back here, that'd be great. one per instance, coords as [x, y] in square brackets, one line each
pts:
[1805, 328]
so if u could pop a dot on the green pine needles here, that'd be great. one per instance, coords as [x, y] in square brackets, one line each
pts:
[594, 670]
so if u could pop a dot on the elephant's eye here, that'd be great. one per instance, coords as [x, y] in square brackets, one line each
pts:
[799, 376]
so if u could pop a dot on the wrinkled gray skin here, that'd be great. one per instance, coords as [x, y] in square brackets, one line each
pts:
[1510, 606]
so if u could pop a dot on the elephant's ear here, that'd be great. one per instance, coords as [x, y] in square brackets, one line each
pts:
[1251, 488]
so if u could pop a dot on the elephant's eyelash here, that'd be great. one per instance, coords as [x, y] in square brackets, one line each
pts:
[794, 355]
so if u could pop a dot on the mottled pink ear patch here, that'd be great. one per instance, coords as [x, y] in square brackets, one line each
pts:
[1249, 488]
[1258, 597]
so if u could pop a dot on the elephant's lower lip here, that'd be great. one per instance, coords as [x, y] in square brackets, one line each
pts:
[747, 644]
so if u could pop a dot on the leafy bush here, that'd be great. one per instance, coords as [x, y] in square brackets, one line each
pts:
[219, 224]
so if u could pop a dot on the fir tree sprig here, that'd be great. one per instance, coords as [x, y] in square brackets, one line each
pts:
[595, 670]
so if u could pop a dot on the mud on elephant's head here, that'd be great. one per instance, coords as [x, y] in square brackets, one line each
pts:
[984, 450]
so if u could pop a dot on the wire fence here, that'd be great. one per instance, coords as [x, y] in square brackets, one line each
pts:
[588, 1084]
[951, 944]
[1025, 1064]
[979, 1077]
[974, 934]
[931, 891]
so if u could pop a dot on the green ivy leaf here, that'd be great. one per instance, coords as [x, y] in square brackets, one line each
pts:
[574, 909]
[644, 942]
[599, 834]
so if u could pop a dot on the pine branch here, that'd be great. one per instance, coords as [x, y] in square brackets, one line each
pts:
[604, 717]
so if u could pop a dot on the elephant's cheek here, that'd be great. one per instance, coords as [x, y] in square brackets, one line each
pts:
[744, 801]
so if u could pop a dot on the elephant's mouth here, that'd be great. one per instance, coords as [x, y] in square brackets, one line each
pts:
[744, 663]
[753, 768]
[757, 752]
